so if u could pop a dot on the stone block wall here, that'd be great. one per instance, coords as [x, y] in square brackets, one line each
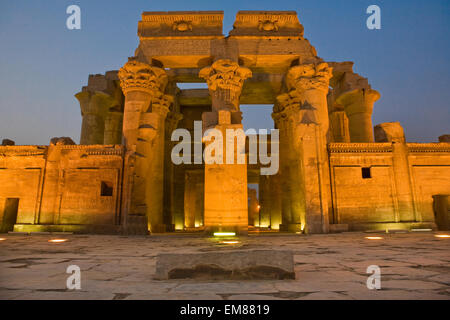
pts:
[61, 187]
[367, 189]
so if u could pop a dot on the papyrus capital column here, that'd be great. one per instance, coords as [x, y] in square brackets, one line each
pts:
[358, 106]
[145, 111]
[140, 84]
[226, 203]
[225, 79]
[311, 82]
[94, 107]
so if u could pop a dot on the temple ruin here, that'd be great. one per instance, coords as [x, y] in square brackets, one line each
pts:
[337, 172]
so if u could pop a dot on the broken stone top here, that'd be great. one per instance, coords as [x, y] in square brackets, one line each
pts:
[209, 24]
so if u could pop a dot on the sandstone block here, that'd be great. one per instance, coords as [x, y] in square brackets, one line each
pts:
[8, 142]
[233, 265]
[444, 138]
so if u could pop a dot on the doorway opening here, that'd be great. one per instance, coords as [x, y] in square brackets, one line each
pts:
[10, 214]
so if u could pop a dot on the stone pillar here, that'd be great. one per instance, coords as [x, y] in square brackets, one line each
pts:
[302, 117]
[264, 201]
[226, 206]
[189, 200]
[113, 128]
[358, 106]
[339, 126]
[275, 201]
[169, 189]
[94, 106]
[393, 132]
[145, 110]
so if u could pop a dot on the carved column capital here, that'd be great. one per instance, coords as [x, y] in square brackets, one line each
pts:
[309, 77]
[96, 102]
[139, 76]
[358, 101]
[160, 104]
[225, 79]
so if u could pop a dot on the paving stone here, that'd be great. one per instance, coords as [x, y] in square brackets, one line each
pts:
[242, 264]
[413, 266]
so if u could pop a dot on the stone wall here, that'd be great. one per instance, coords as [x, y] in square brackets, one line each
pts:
[62, 187]
[368, 191]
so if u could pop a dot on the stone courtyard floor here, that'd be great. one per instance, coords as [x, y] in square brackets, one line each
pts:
[413, 266]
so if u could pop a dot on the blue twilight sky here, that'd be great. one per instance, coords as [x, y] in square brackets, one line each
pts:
[43, 64]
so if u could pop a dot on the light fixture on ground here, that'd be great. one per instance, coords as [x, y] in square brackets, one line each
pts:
[224, 234]
[442, 236]
[230, 242]
[374, 238]
[57, 240]
[2, 239]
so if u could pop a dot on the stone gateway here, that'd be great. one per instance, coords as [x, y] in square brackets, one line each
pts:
[336, 172]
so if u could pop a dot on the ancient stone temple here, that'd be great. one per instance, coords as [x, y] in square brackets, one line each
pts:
[336, 170]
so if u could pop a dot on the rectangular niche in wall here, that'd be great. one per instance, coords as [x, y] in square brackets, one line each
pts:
[366, 173]
[106, 189]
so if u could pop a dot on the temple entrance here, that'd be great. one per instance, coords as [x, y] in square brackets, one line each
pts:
[10, 214]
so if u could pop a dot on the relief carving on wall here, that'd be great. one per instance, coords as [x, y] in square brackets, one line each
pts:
[268, 25]
[182, 26]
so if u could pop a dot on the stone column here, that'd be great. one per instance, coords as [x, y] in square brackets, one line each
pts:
[189, 200]
[146, 107]
[113, 128]
[172, 120]
[358, 106]
[226, 207]
[264, 201]
[94, 106]
[275, 201]
[339, 125]
[302, 117]
[393, 132]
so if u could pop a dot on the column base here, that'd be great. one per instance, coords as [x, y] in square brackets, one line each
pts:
[291, 227]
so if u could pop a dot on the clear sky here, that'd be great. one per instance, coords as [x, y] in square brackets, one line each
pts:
[43, 64]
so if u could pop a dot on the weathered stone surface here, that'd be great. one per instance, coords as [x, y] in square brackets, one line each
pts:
[234, 265]
[389, 132]
[62, 141]
[121, 177]
[413, 266]
[8, 142]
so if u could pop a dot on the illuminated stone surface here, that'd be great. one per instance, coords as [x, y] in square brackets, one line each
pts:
[336, 173]
[413, 266]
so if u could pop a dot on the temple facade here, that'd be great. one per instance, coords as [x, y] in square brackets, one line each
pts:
[337, 171]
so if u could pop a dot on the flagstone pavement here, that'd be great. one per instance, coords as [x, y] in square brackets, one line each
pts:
[333, 266]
